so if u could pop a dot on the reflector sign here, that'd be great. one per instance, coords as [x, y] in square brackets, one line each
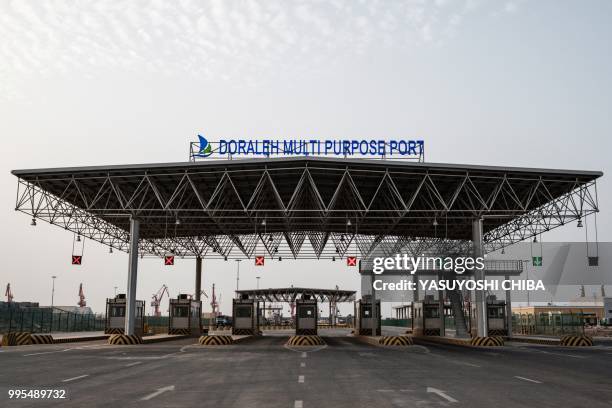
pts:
[76, 259]
[259, 261]
[169, 260]
[351, 261]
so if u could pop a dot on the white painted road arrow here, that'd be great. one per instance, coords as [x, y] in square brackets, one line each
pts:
[158, 392]
[441, 394]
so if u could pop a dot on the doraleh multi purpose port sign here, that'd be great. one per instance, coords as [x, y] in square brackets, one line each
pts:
[363, 148]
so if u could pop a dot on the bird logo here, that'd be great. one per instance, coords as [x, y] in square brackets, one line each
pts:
[205, 147]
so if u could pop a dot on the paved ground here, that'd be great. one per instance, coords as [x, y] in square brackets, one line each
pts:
[262, 372]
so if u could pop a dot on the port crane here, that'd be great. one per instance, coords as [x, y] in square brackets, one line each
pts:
[8, 293]
[214, 303]
[81, 302]
[157, 298]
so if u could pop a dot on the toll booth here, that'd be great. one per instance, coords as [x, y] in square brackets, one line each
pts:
[245, 316]
[497, 325]
[306, 315]
[426, 319]
[185, 316]
[496, 317]
[364, 322]
[115, 316]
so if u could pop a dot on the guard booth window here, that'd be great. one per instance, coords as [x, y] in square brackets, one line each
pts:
[431, 313]
[366, 312]
[243, 311]
[307, 311]
[181, 311]
[496, 312]
[117, 311]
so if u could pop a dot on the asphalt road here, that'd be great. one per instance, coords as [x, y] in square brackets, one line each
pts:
[262, 372]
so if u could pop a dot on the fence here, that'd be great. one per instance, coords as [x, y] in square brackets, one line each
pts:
[397, 322]
[47, 320]
[553, 324]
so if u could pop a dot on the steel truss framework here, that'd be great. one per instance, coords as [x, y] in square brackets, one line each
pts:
[289, 295]
[306, 207]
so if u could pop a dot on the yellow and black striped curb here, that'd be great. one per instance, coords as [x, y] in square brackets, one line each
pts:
[16, 339]
[395, 341]
[125, 339]
[182, 332]
[246, 332]
[115, 330]
[490, 341]
[305, 341]
[218, 328]
[497, 332]
[277, 327]
[368, 332]
[79, 339]
[305, 332]
[533, 340]
[455, 341]
[431, 332]
[576, 341]
[41, 339]
[216, 340]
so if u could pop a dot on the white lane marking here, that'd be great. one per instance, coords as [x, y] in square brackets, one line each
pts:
[527, 379]
[302, 364]
[384, 390]
[133, 364]
[304, 354]
[75, 378]
[45, 352]
[561, 354]
[301, 379]
[158, 392]
[441, 393]
[417, 346]
[465, 363]
[298, 404]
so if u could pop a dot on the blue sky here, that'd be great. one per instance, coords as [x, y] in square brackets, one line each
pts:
[520, 83]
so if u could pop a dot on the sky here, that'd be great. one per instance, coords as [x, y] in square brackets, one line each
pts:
[513, 83]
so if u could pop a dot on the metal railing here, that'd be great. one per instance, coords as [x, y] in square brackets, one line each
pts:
[552, 324]
[47, 320]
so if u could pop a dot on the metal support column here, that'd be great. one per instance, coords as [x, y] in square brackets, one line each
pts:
[480, 298]
[130, 311]
[374, 307]
[198, 279]
[441, 309]
[508, 310]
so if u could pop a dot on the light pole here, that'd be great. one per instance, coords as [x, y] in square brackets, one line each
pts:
[115, 290]
[53, 289]
[237, 273]
[258, 281]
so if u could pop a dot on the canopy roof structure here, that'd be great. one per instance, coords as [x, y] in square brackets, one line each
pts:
[309, 207]
[291, 294]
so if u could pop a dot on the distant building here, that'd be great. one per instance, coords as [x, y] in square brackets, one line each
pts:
[608, 309]
[591, 313]
[73, 309]
[18, 305]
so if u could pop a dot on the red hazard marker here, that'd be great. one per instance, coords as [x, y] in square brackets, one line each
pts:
[351, 261]
[169, 260]
[259, 261]
[77, 259]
